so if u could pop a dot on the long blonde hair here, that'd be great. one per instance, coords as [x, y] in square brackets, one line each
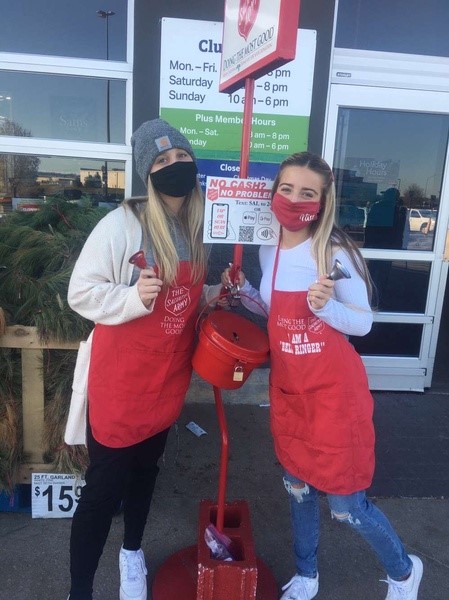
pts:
[327, 238]
[154, 218]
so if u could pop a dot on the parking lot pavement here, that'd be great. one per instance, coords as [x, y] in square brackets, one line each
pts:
[35, 562]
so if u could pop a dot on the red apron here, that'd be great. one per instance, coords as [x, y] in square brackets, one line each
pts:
[321, 406]
[140, 371]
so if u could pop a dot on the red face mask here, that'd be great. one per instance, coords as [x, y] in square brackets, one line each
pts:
[294, 215]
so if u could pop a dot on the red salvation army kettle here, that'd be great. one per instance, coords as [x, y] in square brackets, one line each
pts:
[229, 348]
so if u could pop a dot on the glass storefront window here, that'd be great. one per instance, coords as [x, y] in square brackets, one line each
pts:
[405, 26]
[390, 339]
[62, 107]
[388, 169]
[27, 180]
[58, 28]
[390, 276]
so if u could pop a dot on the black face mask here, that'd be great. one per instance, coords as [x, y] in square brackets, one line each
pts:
[177, 179]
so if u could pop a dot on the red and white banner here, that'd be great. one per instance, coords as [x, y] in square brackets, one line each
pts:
[258, 36]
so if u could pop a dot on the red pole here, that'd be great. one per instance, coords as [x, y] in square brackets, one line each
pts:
[223, 458]
[244, 162]
[246, 131]
[236, 266]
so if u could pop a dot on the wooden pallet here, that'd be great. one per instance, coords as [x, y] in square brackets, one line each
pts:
[27, 340]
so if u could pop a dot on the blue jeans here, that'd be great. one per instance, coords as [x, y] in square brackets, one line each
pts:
[355, 510]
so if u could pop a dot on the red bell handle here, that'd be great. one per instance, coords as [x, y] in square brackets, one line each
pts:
[235, 287]
[139, 260]
[234, 272]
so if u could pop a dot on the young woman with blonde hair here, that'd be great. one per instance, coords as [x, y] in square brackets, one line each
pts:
[139, 355]
[320, 405]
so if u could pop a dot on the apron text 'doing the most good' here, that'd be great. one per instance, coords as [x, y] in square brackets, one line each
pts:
[140, 371]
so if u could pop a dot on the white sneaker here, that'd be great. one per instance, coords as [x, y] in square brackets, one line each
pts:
[408, 589]
[133, 572]
[300, 588]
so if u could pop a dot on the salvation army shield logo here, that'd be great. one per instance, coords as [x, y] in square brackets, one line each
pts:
[177, 300]
[248, 10]
[212, 194]
[315, 325]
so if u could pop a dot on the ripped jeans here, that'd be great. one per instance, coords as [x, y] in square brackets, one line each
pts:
[355, 510]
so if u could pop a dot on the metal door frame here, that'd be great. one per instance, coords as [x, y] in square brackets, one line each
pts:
[387, 372]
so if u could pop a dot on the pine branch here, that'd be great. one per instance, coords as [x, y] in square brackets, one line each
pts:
[37, 255]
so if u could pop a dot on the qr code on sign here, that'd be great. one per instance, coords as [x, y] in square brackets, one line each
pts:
[246, 233]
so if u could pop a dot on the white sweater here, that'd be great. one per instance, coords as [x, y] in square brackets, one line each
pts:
[100, 290]
[99, 287]
[348, 311]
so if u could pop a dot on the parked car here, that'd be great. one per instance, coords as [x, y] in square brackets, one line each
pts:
[422, 219]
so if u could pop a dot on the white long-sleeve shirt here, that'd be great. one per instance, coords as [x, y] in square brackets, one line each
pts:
[347, 311]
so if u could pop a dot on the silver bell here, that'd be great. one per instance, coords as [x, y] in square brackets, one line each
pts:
[339, 271]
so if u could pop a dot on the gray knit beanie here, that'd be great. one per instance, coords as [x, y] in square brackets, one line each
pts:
[152, 138]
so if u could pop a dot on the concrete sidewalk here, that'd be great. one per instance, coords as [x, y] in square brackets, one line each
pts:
[411, 487]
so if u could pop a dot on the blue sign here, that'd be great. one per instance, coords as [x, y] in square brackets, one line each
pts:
[231, 168]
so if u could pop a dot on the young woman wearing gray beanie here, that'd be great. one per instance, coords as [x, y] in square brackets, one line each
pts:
[138, 364]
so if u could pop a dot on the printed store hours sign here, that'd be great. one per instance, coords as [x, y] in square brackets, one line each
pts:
[212, 121]
[372, 170]
[238, 211]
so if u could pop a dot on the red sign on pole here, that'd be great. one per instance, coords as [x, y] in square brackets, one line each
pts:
[258, 36]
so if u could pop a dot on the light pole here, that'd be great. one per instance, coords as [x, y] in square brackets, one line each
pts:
[427, 183]
[8, 129]
[6, 98]
[105, 14]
